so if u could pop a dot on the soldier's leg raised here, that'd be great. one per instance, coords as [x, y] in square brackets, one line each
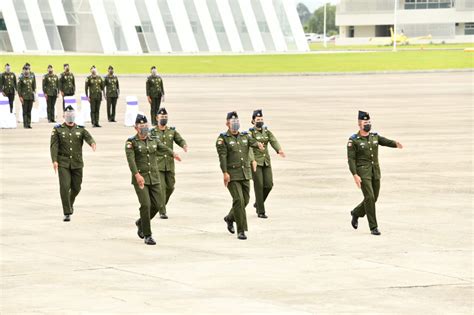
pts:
[170, 182]
[238, 205]
[369, 202]
[258, 189]
[145, 205]
[76, 182]
[162, 208]
[156, 199]
[65, 189]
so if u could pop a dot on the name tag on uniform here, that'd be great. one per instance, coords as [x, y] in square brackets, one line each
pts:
[78, 133]
[244, 140]
[232, 142]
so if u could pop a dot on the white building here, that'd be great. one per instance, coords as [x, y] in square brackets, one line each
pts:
[150, 26]
[369, 21]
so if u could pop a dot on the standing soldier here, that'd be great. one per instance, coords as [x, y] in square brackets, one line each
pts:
[8, 85]
[263, 177]
[67, 83]
[112, 92]
[142, 153]
[155, 93]
[26, 93]
[93, 89]
[50, 90]
[168, 136]
[362, 153]
[66, 153]
[235, 157]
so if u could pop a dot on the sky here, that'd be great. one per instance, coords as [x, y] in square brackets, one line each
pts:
[314, 4]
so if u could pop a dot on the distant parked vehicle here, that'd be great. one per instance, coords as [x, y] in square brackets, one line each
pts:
[313, 37]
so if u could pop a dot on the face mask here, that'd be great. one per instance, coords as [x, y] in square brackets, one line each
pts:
[27, 72]
[235, 125]
[66, 69]
[7, 68]
[259, 124]
[153, 71]
[144, 132]
[50, 71]
[367, 127]
[69, 118]
[163, 121]
[111, 72]
[94, 72]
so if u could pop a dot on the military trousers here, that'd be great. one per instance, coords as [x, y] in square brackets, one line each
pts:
[27, 106]
[66, 94]
[95, 110]
[150, 202]
[70, 181]
[262, 184]
[167, 182]
[240, 192]
[155, 107]
[11, 99]
[50, 105]
[111, 105]
[370, 188]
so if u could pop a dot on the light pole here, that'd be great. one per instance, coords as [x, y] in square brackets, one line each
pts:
[395, 26]
[324, 27]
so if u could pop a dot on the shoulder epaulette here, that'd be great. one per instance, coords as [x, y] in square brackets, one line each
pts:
[252, 129]
[354, 136]
[57, 125]
[224, 134]
[173, 128]
[244, 132]
[131, 138]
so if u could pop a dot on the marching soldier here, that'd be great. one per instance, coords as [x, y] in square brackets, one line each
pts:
[263, 177]
[67, 83]
[168, 136]
[362, 153]
[8, 85]
[66, 153]
[93, 89]
[155, 93]
[142, 154]
[50, 90]
[112, 92]
[26, 93]
[235, 156]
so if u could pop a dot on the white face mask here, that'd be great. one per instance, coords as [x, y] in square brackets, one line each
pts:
[70, 117]
[234, 125]
[154, 72]
[7, 68]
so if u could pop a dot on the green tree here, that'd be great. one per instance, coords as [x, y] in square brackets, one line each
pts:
[303, 13]
[316, 22]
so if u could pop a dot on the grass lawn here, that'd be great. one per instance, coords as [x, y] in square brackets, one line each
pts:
[280, 63]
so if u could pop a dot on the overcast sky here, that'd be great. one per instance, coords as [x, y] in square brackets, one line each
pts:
[314, 4]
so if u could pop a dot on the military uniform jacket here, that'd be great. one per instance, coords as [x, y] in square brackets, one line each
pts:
[27, 87]
[362, 154]
[154, 86]
[142, 157]
[94, 87]
[236, 154]
[50, 84]
[112, 87]
[67, 83]
[8, 82]
[266, 137]
[168, 137]
[66, 145]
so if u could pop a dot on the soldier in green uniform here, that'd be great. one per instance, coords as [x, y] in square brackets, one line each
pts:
[93, 89]
[26, 93]
[263, 176]
[67, 83]
[155, 93]
[66, 153]
[142, 155]
[8, 85]
[168, 136]
[112, 92]
[362, 154]
[50, 90]
[236, 159]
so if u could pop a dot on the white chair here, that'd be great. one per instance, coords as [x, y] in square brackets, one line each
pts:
[131, 111]
[42, 106]
[7, 119]
[85, 108]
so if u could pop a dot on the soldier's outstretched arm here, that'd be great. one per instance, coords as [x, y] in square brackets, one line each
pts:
[179, 140]
[254, 143]
[164, 147]
[387, 142]
[275, 144]
[88, 138]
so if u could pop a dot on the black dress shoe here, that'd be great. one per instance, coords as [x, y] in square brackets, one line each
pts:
[98, 126]
[163, 216]
[67, 218]
[149, 240]
[139, 230]
[262, 216]
[29, 127]
[355, 221]
[113, 120]
[375, 232]
[230, 225]
[242, 236]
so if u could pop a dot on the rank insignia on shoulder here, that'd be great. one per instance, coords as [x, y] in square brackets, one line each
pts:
[220, 141]
[244, 132]
[129, 145]
[173, 128]
[57, 125]
[223, 134]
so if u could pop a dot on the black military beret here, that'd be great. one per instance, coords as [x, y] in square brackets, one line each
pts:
[364, 115]
[162, 111]
[141, 119]
[65, 65]
[153, 67]
[232, 115]
[69, 108]
[110, 67]
[257, 113]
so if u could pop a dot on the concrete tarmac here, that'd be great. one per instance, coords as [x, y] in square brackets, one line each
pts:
[304, 259]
